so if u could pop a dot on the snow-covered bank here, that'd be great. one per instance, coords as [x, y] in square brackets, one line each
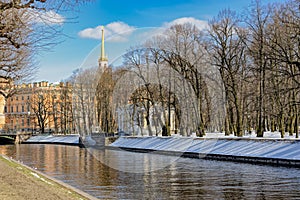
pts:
[266, 151]
[267, 135]
[54, 139]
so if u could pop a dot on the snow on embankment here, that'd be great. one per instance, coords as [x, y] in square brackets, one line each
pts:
[264, 151]
[54, 139]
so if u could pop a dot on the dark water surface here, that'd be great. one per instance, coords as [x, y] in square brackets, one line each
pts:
[127, 175]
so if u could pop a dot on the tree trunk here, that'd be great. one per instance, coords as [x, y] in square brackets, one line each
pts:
[281, 125]
[239, 118]
[297, 124]
[226, 125]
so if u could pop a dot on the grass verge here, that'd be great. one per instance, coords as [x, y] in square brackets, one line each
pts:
[51, 183]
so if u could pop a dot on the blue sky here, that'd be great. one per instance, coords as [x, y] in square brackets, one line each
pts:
[125, 23]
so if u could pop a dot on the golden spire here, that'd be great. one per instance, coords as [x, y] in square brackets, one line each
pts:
[103, 57]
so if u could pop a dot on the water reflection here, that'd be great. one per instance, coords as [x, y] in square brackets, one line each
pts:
[183, 178]
[126, 161]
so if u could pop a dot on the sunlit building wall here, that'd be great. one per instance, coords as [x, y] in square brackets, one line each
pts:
[20, 111]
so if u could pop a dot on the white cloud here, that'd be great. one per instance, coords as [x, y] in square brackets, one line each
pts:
[200, 24]
[93, 33]
[114, 32]
[49, 17]
[120, 31]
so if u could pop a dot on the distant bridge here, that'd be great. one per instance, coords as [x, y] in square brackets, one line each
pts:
[18, 137]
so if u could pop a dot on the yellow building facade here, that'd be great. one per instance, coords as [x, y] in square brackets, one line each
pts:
[39, 107]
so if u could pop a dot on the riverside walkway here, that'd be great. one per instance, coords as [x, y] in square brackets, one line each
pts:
[18, 181]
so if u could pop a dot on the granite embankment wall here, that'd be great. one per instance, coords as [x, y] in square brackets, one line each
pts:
[259, 151]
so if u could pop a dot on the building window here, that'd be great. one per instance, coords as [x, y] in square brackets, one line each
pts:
[17, 108]
[27, 97]
[5, 109]
[28, 108]
[23, 109]
[17, 98]
[22, 122]
[11, 109]
[22, 98]
[28, 122]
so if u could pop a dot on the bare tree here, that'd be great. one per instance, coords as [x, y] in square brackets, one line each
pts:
[84, 100]
[154, 91]
[41, 105]
[25, 28]
[66, 109]
[137, 60]
[15, 57]
[182, 49]
[257, 20]
[104, 105]
[62, 114]
[284, 54]
[228, 54]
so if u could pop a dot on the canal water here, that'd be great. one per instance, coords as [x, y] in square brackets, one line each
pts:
[112, 174]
